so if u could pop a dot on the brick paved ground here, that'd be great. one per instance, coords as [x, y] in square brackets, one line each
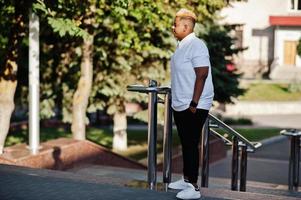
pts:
[15, 186]
[19, 183]
[123, 177]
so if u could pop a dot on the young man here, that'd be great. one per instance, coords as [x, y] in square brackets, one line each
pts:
[192, 96]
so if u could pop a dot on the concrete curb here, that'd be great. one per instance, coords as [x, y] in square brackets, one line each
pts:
[249, 108]
[272, 140]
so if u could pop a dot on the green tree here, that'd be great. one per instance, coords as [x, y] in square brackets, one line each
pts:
[221, 49]
[120, 42]
[132, 42]
[58, 17]
[128, 45]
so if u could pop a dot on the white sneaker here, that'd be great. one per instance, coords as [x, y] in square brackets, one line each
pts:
[178, 185]
[189, 193]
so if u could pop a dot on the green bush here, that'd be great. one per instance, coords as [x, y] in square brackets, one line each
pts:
[294, 87]
[238, 121]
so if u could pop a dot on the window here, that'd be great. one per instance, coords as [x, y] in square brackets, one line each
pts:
[295, 5]
[237, 34]
[239, 37]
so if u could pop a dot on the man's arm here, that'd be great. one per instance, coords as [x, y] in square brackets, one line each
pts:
[201, 75]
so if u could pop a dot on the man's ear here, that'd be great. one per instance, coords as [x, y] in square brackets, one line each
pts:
[186, 27]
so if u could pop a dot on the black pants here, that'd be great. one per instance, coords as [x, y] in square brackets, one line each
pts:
[189, 126]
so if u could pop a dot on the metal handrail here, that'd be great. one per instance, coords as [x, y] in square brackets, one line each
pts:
[153, 90]
[232, 131]
[229, 143]
[239, 143]
[256, 145]
[225, 140]
[294, 158]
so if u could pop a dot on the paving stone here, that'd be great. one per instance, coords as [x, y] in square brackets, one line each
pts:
[19, 183]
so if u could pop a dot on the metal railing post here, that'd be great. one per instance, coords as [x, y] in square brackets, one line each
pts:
[234, 171]
[293, 174]
[243, 168]
[167, 141]
[291, 164]
[297, 162]
[294, 158]
[153, 90]
[247, 146]
[152, 137]
[205, 154]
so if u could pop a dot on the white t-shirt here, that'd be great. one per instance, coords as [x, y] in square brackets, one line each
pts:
[190, 53]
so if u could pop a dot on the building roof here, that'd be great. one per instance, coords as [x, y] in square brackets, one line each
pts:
[285, 20]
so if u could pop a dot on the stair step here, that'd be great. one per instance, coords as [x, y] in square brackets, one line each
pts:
[256, 187]
[137, 178]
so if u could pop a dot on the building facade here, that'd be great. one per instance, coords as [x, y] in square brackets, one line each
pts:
[270, 30]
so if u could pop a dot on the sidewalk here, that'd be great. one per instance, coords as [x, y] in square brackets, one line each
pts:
[19, 183]
[268, 164]
[277, 121]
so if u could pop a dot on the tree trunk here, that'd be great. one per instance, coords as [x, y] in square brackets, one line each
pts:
[81, 95]
[8, 74]
[7, 93]
[120, 135]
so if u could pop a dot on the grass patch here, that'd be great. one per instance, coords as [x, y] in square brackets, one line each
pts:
[103, 136]
[22, 136]
[257, 134]
[137, 139]
[137, 144]
[270, 92]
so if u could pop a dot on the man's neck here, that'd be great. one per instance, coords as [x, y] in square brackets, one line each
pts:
[185, 36]
[185, 39]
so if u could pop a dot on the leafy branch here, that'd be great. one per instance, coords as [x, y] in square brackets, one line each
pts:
[60, 25]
